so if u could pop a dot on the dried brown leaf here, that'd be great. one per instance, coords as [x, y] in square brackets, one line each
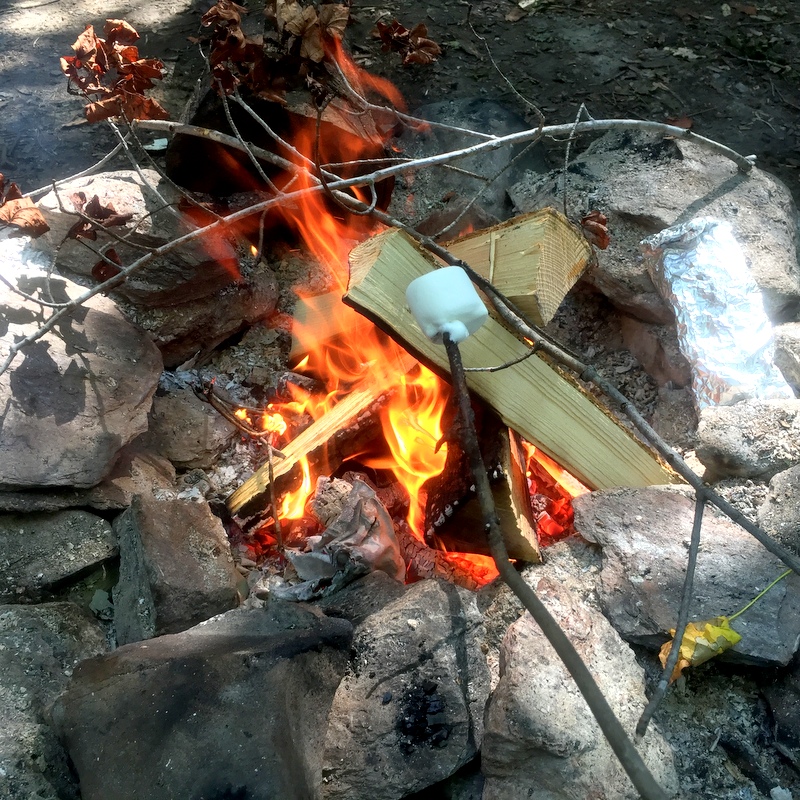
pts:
[22, 214]
[104, 109]
[102, 270]
[311, 44]
[333, 19]
[289, 15]
[100, 216]
[225, 12]
[117, 31]
[300, 23]
[85, 46]
[422, 51]
[595, 230]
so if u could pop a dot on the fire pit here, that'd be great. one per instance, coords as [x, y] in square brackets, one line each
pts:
[320, 457]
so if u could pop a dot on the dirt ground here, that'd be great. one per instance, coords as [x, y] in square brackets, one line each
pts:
[733, 69]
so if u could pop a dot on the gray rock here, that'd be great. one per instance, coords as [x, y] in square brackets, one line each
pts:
[541, 741]
[234, 707]
[197, 269]
[645, 535]
[39, 648]
[430, 188]
[646, 183]
[752, 439]
[136, 471]
[656, 349]
[779, 515]
[176, 568]
[783, 697]
[675, 418]
[195, 328]
[123, 189]
[787, 353]
[41, 550]
[186, 430]
[410, 712]
[358, 600]
[76, 396]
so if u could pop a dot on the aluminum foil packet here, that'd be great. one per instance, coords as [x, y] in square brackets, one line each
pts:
[723, 330]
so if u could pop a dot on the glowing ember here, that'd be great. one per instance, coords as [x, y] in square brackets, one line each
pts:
[552, 489]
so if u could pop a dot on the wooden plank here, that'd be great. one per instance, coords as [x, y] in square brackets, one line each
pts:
[311, 439]
[533, 259]
[536, 400]
[513, 503]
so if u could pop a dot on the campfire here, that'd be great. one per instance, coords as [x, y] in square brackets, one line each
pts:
[379, 449]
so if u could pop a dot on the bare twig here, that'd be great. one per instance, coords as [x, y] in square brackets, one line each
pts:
[247, 148]
[683, 619]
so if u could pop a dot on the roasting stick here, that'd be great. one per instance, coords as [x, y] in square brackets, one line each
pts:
[448, 310]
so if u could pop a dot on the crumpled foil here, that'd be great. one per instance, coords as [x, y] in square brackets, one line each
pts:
[723, 330]
[359, 540]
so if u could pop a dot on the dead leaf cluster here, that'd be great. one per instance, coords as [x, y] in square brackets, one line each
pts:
[112, 70]
[289, 53]
[19, 212]
[95, 215]
[413, 45]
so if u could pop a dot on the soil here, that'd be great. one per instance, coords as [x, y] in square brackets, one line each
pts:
[732, 69]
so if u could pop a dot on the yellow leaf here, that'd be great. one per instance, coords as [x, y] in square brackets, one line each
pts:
[701, 641]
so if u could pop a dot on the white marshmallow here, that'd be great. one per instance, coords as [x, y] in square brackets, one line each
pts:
[445, 301]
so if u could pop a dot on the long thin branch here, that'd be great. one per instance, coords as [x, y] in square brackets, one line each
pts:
[745, 163]
[683, 619]
[620, 743]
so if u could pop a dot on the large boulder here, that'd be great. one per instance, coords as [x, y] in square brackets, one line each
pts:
[645, 183]
[75, 396]
[779, 514]
[234, 707]
[410, 712]
[42, 550]
[751, 439]
[644, 534]
[176, 568]
[541, 740]
[186, 430]
[39, 648]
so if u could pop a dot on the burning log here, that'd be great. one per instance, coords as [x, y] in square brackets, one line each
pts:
[533, 259]
[253, 495]
[542, 404]
[513, 504]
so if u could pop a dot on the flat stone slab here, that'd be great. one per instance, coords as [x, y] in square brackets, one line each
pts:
[176, 568]
[410, 712]
[39, 649]
[235, 707]
[41, 550]
[541, 740]
[751, 439]
[645, 537]
[73, 398]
